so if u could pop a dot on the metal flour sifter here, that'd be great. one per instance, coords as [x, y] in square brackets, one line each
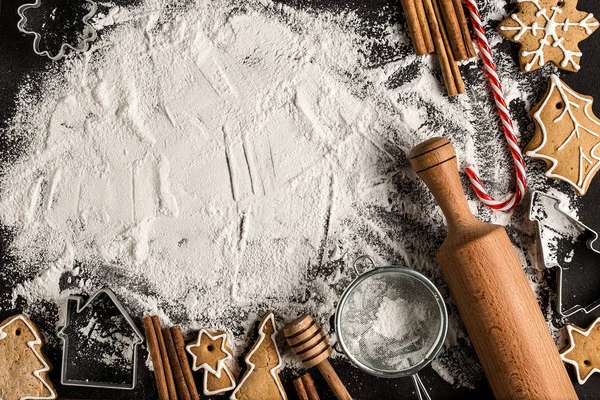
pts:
[391, 322]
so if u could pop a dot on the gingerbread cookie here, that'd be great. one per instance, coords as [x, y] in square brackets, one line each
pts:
[583, 351]
[23, 367]
[549, 31]
[210, 352]
[567, 136]
[261, 379]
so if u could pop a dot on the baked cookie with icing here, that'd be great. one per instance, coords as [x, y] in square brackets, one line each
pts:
[567, 136]
[583, 351]
[23, 366]
[549, 31]
[261, 379]
[211, 352]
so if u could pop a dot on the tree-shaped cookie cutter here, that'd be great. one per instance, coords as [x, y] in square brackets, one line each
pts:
[89, 34]
[81, 305]
[589, 233]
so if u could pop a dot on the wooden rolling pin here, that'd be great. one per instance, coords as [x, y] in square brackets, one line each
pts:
[309, 342]
[490, 289]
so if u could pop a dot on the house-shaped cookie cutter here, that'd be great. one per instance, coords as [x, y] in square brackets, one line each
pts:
[88, 36]
[79, 302]
[592, 238]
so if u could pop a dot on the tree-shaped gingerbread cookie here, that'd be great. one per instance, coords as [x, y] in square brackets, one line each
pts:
[261, 379]
[210, 352]
[23, 367]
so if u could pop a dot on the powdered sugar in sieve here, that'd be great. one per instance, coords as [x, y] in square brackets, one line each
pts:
[391, 322]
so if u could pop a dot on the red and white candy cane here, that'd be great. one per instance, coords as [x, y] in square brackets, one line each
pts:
[512, 200]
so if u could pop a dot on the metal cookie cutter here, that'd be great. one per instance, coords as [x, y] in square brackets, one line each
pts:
[89, 33]
[590, 234]
[75, 305]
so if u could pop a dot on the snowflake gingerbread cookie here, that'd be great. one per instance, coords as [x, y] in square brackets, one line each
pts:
[583, 351]
[549, 31]
[210, 352]
[261, 379]
[23, 368]
[567, 136]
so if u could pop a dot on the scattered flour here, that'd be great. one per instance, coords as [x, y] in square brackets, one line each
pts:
[208, 161]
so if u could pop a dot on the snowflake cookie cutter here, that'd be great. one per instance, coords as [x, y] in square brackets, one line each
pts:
[589, 233]
[76, 304]
[89, 34]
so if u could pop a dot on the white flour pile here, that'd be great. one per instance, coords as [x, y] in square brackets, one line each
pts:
[211, 161]
[393, 318]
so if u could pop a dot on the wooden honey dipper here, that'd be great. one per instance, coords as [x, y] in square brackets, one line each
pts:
[490, 289]
[310, 343]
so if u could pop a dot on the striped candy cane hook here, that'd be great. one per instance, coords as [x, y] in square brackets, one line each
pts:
[485, 52]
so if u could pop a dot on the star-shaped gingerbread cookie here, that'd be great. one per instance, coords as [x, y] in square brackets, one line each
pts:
[549, 31]
[583, 351]
[210, 352]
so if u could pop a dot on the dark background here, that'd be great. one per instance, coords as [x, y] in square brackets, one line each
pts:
[18, 64]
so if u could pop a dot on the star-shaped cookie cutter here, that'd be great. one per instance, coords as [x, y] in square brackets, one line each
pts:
[563, 354]
[592, 238]
[89, 34]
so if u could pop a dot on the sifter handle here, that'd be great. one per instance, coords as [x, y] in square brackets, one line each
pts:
[435, 163]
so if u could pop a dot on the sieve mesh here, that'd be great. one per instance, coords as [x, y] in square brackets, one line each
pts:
[391, 322]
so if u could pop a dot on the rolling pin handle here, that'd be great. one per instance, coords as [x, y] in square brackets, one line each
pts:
[435, 163]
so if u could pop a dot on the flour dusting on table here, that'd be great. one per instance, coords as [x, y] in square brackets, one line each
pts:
[210, 161]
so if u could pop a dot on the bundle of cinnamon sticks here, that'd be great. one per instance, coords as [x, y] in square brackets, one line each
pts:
[172, 371]
[305, 387]
[441, 26]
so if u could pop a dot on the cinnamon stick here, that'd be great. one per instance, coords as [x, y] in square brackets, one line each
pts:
[464, 28]
[182, 388]
[165, 358]
[440, 49]
[453, 29]
[159, 373]
[300, 389]
[309, 385]
[183, 361]
[414, 28]
[458, 82]
[424, 26]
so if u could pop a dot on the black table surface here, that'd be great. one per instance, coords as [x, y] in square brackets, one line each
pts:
[18, 62]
